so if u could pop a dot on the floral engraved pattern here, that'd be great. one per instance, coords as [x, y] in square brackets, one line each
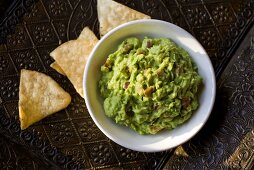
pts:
[26, 59]
[127, 154]
[243, 94]
[222, 14]
[242, 91]
[101, 154]
[33, 13]
[61, 133]
[9, 88]
[198, 16]
[58, 8]
[87, 130]
[78, 153]
[208, 37]
[43, 33]
[19, 39]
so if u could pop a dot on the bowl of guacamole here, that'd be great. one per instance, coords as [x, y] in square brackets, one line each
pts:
[149, 85]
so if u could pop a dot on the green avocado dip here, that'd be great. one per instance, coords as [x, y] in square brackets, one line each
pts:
[149, 85]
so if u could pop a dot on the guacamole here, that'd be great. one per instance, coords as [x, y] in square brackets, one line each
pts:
[149, 85]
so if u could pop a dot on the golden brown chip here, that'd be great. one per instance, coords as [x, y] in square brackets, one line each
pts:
[71, 57]
[111, 14]
[87, 35]
[39, 96]
[55, 66]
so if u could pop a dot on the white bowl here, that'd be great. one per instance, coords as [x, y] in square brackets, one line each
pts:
[124, 135]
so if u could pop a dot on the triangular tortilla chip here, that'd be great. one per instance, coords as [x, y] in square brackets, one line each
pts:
[39, 96]
[71, 57]
[56, 67]
[111, 14]
[87, 35]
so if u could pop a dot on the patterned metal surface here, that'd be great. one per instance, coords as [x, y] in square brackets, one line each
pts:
[69, 139]
[228, 137]
[14, 156]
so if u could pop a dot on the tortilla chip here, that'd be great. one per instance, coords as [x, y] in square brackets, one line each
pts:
[111, 14]
[55, 66]
[71, 57]
[87, 35]
[39, 97]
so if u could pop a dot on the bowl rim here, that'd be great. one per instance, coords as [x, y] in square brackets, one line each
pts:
[88, 104]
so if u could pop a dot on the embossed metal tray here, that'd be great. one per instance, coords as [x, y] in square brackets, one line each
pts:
[69, 139]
